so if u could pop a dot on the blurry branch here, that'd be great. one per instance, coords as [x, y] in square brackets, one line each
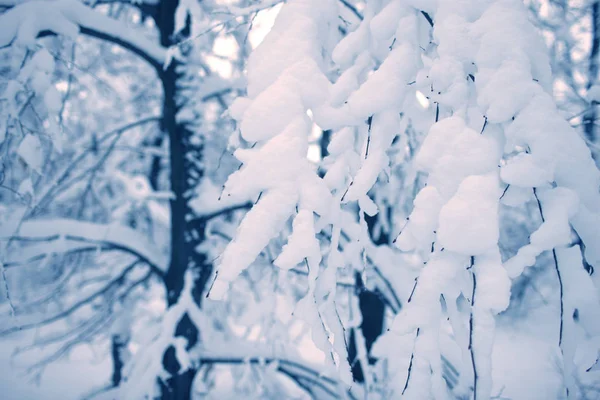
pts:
[115, 283]
[94, 171]
[352, 9]
[579, 114]
[216, 94]
[113, 236]
[305, 377]
[43, 255]
[71, 66]
[50, 192]
[61, 113]
[397, 304]
[88, 330]
[52, 294]
[90, 22]
[14, 192]
[225, 210]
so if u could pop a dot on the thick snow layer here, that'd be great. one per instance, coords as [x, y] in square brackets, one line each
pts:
[262, 223]
[452, 151]
[285, 82]
[388, 86]
[423, 221]
[559, 205]
[469, 220]
[114, 235]
[297, 34]
[301, 243]
[23, 23]
[492, 126]
[523, 171]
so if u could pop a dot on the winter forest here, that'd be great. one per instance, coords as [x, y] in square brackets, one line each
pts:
[299, 199]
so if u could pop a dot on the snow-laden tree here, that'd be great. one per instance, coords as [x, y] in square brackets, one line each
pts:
[446, 177]
[98, 139]
[496, 144]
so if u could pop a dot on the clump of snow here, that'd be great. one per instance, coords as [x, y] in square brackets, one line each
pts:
[522, 170]
[469, 220]
[31, 152]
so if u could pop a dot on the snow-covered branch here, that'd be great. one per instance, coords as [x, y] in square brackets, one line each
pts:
[26, 21]
[109, 236]
[307, 377]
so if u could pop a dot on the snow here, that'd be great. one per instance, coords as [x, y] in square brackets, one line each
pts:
[522, 170]
[384, 24]
[284, 82]
[452, 151]
[383, 129]
[423, 221]
[387, 87]
[468, 222]
[276, 100]
[524, 366]
[593, 93]
[559, 205]
[270, 214]
[295, 37]
[586, 223]
[31, 152]
[469, 96]
[581, 308]
[25, 21]
[115, 235]
[301, 243]
[500, 99]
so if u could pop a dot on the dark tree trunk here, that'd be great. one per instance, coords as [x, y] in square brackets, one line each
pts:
[371, 306]
[589, 119]
[185, 148]
[372, 309]
[117, 345]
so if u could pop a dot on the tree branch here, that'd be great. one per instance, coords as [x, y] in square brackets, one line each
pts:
[295, 370]
[68, 17]
[77, 305]
[47, 195]
[112, 236]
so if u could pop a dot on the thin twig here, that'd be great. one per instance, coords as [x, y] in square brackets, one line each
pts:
[556, 267]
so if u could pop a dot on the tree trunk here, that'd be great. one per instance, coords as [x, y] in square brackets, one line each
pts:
[185, 147]
[118, 344]
[589, 119]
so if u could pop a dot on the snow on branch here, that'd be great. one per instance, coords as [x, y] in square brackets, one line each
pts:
[498, 128]
[25, 22]
[286, 80]
[111, 236]
[307, 377]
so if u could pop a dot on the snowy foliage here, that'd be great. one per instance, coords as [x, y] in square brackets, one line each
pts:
[496, 131]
